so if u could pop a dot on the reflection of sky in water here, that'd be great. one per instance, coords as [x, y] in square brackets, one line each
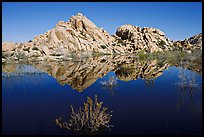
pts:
[21, 70]
[32, 102]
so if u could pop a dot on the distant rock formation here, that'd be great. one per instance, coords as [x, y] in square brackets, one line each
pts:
[192, 43]
[133, 39]
[80, 35]
[196, 40]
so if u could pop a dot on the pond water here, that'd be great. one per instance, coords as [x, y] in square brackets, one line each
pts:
[149, 96]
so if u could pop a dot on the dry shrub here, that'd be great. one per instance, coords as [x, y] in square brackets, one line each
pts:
[92, 117]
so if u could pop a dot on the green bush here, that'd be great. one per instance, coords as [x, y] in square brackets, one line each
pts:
[120, 41]
[142, 55]
[35, 48]
[161, 44]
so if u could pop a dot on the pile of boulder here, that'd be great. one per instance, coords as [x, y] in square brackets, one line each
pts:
[133, 39]
[192, 43]
[79, 35]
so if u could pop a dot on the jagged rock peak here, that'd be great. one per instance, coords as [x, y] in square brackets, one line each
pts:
[79, 14]
[80, 20]
[148, 39]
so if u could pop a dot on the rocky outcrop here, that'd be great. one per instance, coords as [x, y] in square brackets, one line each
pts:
[192, 43]
[8, 46]
[196, 40]
[133, 39]
[79, 35]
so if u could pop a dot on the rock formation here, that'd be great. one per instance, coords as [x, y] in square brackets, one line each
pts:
[8, 46]
[133, 39]
[80, 35]
[192, 43]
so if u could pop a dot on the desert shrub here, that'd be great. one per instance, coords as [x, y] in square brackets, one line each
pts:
[161, 44]
[110, 83]
[158, 55]
[35, 48]
[92, 117]
[120, 41]
[186, 80]
[150, 82]
[142, 55]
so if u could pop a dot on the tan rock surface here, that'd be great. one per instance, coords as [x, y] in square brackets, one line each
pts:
[147, 39]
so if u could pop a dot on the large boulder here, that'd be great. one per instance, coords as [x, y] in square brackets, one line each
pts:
[46, 50]
[196, 40]
[8, 46]
[148, 39]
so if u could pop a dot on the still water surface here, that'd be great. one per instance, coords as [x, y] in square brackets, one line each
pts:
[148, 99]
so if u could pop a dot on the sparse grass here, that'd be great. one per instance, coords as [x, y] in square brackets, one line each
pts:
[161, 44]
[119, 41]
[187, 81]
[110, 83]
[35, 48]
[17, 74]
[142, 55]
[100, 54]
[92, 117]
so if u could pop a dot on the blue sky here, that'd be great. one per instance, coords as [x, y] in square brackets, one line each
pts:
[22, 21]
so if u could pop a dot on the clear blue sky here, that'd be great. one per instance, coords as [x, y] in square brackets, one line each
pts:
[21, 21]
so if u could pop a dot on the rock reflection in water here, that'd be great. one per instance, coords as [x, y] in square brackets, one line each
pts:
[82, 74]
[78, 74]
[135, 69]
